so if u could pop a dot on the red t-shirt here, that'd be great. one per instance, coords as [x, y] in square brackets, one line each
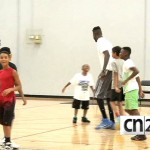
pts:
[7, 81]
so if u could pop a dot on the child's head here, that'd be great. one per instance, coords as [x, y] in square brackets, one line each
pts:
[125, 53]
[116, 51]
[85, 68]
[5, 56]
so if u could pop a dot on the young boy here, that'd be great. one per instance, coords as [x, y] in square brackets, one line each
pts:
[132, 87]
[117, 90]
[9, 82]
[82, 82]
[12, 65]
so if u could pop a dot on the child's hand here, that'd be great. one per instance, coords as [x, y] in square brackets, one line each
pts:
[124, 82]
[117, 90]
[24, 101]
[63, 90]
[6, 92]
[141, 94]
[94, 91]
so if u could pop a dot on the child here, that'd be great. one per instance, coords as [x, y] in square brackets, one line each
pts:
[82, 82]
[132, 87]
[9, 82]
[117, 90]
[12, 65]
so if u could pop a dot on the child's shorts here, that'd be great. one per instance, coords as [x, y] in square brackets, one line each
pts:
[76, 104]
[131, 100]
[117, 96]
[7, 112]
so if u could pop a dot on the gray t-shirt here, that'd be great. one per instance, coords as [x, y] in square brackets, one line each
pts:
[117, 66]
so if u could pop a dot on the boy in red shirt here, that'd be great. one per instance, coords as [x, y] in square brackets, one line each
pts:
[9, 82]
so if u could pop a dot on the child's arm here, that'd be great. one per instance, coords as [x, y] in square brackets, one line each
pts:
[17, 84]
[141, 94]
[63, 90]
[134, 73]
[93, 90]
[22, 95]
[116, 81]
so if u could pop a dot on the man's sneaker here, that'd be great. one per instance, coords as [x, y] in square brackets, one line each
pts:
[113, 126]
[105, 124]
[74, 120]
[84, 119]
[8, 146]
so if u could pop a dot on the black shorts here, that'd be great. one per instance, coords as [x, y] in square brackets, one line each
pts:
[7, 112]
[117, 96]
[76, 104]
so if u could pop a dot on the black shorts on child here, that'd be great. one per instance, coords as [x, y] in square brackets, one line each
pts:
[76, 104]
[7, 112]
[117, 96]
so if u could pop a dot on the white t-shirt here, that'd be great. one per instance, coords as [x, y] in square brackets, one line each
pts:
[131, 84]
[117, 66]
[82, 85]
[103, 45]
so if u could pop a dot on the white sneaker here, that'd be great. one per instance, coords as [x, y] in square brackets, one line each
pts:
[8, 146]
[13, 145]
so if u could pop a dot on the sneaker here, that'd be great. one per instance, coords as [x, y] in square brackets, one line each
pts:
[113, 126]
[2, 142]
[139, 138]
[14, 145]
[84, 119]
[8, 146]
[105, 124]
[74, 120]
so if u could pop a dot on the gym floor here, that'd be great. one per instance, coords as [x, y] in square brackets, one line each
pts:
[46, 124]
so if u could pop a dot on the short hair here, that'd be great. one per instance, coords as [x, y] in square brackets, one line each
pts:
[85, 65]
[96, 28]
[127, 49]
[5, 50]
[117, 50]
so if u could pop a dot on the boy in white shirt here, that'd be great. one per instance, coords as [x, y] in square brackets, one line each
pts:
[132, 87]
[82, 82]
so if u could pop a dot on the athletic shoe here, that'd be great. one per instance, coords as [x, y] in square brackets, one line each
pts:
[139, 138]
[8, 146]
[14, 145]
[1, 148]
[74, 120]
[105, 124]
[113, 126]
[84, 119]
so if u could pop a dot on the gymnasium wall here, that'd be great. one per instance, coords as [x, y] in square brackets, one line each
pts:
[66, 28]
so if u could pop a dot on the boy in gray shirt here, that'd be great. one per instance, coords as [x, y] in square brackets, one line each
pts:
[117, 95]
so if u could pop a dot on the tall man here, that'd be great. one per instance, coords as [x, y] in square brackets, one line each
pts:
[103, 86]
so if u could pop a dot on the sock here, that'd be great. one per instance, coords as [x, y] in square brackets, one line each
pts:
[111, 114]
[100, 103]
[7, 139]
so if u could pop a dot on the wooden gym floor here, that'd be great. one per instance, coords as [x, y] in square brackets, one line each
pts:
[47, 125]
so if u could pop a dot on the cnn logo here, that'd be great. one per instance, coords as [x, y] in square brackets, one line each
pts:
[134, 125]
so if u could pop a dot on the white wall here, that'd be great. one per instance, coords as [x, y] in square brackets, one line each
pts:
[67, 38]
[9, 25]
